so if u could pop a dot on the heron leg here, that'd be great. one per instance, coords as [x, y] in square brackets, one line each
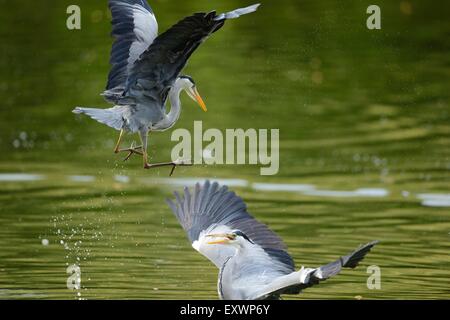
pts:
[147, 165]
[131, 150]
[117, 147]
[143, 135]
[173, 164]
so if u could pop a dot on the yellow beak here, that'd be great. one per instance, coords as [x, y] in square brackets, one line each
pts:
[225, 239]
[199, 99]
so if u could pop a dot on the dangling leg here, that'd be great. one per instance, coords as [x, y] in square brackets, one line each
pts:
[143, 135]
[131, 150]
[116, 149]
[144, 139]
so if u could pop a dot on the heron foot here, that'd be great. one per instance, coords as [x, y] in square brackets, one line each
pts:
[131, 150]
[173, 164]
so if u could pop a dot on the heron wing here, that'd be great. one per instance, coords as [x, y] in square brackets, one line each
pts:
[212, 208]
[333, 268]
[134, 28]
[295, 282]
[162, 62]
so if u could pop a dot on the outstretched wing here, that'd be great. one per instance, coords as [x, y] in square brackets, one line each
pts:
[295, 282]
[214, 209]
[161, 63]
[349, 261]
[134, 28]
[333, 268]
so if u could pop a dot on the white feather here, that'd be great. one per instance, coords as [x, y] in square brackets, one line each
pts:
[238, 12]
[214, 252]
[145, 29]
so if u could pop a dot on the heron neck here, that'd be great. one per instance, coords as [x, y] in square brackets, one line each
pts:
[175, 109]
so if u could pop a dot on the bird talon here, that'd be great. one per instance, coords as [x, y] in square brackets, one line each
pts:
[173, 164]
[172, 171]
[147, 166]
[182, 162]
[128, 156]
[131, 151]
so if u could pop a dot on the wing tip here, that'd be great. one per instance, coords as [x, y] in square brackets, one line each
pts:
[238, 12]
[171, 204]
[255, 6]
[358, 255]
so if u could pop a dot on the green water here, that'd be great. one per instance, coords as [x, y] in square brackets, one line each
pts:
[364, 137]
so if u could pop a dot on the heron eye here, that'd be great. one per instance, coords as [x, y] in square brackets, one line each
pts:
[232, 236]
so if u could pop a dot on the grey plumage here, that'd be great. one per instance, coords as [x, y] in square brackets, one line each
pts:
[112, 117]
[161, 63]
[211, 205]
[145, 67]
[253, 261]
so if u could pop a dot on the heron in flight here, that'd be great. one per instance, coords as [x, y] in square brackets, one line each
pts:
[252, 260]
[146, 70]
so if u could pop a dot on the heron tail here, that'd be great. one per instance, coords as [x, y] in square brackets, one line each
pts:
[112, 117]
[113, 95]
[237, 13]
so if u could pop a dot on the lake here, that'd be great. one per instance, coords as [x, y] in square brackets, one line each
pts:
[364, 149]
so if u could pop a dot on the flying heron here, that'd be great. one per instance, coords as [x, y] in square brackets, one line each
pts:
[253, 260]
[146, 70]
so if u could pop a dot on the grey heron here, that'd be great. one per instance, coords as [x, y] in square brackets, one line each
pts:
[253, 261]
[146, 70]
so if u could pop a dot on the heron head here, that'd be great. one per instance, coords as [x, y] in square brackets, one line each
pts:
[235, 237]
[188, 85]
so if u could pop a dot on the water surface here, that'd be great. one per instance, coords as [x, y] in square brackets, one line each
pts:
[364, 129]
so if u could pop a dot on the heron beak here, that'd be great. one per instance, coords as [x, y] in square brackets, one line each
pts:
[196, 97]
[224, 239]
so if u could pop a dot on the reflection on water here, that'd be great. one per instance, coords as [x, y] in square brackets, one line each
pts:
[363, 192]
[82, 178]
[17, 177]
[435, 200]
[431, 200]
[363, 119]
[192, 181]
[122, 179]
[282, 187]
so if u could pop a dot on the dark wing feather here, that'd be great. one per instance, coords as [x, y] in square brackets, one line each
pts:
[331, 269]
[211, 205]
[160, 65]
